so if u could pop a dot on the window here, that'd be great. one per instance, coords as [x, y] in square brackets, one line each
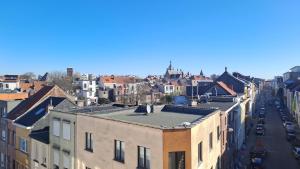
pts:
[23, 145]
[200, 159]
[218, 132]
[67, 130]
[84, 86]
[177, 160]
[14, 138]
[8, 136]
[210, 140]
[3, 135]
[56, 127]
[87, 168]
[56, 158]
[143, 157]
[88, 142]
[223, 137]
[2, 160]
[119, 151]
[66, 160]
[218, 166]
[36, 152]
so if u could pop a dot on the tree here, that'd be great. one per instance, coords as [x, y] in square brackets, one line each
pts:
[60, 79]
[28, 76]
[143, 89]
[214, 76]
[167, 99]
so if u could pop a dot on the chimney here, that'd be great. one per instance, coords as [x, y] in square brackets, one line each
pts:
[50, 106]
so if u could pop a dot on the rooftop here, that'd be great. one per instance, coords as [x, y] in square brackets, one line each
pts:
[163, 117]
[223, 106]
[41, 135]
[31, 117]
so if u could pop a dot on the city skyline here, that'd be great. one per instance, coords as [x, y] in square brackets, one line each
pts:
[140, 38]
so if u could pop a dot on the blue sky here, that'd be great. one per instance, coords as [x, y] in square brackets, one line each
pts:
[256, 37]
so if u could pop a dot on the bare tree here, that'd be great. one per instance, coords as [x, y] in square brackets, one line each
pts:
[214, 76]
[28, 76]
[60, 79]
[143, 89]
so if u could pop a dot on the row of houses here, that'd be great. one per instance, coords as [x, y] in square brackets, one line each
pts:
[287, 87]
[48, 130]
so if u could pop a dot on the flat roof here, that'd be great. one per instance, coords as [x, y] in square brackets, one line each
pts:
[223, 106]
[164, 117]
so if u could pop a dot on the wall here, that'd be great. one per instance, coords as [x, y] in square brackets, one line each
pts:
[201, 133]
[177, 140]
[104, 132]
[68, 145]
[21, 157]
[37, 159]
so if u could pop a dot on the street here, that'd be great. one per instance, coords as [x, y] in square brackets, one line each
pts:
[279, 149]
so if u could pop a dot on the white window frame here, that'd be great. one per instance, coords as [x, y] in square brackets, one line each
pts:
[2, 160]
[56, 127]
[56, 155]
[66, 161]
[23, 145]
[66, 130]
[3, 135]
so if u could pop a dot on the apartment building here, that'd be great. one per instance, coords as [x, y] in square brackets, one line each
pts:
[160, 137]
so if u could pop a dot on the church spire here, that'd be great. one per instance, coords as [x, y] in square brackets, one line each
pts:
[201, 73]
[170, 66]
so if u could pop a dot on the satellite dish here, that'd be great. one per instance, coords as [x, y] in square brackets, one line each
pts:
[148, 108]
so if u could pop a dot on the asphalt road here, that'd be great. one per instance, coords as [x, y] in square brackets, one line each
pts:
[279, 149]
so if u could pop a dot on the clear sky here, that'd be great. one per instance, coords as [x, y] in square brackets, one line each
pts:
[256, 37]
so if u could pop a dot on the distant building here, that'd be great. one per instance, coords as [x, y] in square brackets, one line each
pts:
[293, 74]
[172, 74]
[10, 82]
[70, 72]
[86, 89]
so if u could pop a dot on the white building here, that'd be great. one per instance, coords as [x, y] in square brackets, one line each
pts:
[166, 88]
[86, 89]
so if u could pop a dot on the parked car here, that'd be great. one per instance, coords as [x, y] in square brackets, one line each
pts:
[261, 121]
[283, 118]
[296, 152]
[256, 163]
[261, 115]
[287, 123]
[290, 136]
[260, 130]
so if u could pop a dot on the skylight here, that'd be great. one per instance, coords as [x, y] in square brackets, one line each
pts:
[39, 111]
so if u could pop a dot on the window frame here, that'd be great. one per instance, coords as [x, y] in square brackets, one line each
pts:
[21, 148]
[144, 166]
[118, 152]
[88, 142]
[53, 128]
[64, 124]
[210, 141]
[200, 153]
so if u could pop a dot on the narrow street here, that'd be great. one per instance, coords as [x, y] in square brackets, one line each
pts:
[279, 149]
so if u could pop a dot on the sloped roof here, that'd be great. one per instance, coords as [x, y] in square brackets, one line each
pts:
[237, 84]
[28, 103]
[117, 79]
[31, 117]
[226, 88]
[41, 135]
